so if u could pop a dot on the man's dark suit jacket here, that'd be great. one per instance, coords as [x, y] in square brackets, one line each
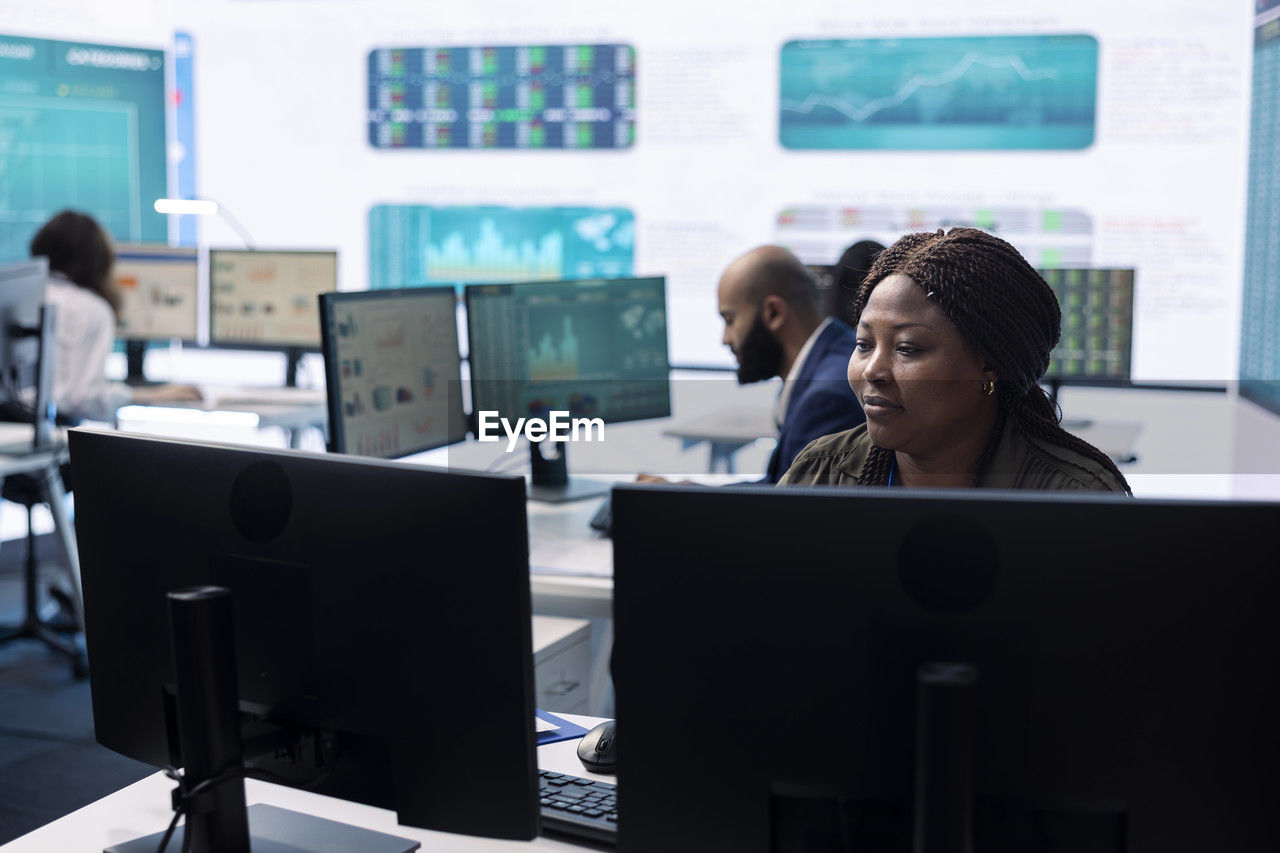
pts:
[821, 401]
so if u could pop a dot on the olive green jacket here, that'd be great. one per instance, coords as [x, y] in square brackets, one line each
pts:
[1019, 462]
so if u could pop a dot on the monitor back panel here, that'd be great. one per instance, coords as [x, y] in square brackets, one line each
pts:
[22, 287]
[768, 642]
[369, 598]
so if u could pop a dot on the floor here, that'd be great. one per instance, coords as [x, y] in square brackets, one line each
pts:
[49, 762]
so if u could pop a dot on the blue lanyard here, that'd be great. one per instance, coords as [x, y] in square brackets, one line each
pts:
[893, 464]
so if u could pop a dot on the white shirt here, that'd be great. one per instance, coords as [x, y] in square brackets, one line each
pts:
[784, 396]
[85, 333]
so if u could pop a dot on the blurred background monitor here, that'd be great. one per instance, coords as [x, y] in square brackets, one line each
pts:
[267, 299]
[824, 275]
[595, 348]
[356, 587]
[22, 288]
[158, 287]
[1096, 347]
[1123, 701]
[393, 371]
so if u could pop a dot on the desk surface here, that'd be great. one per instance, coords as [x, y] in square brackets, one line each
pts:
[571, 565]
[275, 407]
[733, 423]
[143, 808]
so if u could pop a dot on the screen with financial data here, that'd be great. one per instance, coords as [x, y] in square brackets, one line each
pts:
[158, 287]
[413, 245]
[82, 127]
[1260, 320]
[525, 96]
[1096, 346]
[393, 370]
[951, 93]
[596, 348]
[268, 298]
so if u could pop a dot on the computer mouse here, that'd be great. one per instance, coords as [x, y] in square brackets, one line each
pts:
[597, 750]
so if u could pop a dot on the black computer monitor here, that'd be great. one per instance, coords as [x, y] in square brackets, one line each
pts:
[768, 643]
[378, 620]
[824, 277]
[26, 335]
[158, 287]
[1096, 346]
[594, 348]
[266, 299]
[22, 287]
[393, 371]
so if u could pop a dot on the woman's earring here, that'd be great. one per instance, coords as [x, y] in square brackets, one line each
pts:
[988, 387]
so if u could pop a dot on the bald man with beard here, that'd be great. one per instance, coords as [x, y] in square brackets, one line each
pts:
[774, 324]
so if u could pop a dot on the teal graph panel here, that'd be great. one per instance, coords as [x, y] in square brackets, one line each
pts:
[997, 92]
[1260, 323]
[411, 245]
[81, 126]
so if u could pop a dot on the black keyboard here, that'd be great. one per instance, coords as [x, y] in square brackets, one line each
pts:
[580, 807]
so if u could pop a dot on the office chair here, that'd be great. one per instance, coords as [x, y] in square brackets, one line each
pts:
[43, 483]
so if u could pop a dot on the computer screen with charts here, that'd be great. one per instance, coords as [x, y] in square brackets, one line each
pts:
[1103, 680]
[393, 371]
[268, 298]
[1096, 347]
[594, 348]
[158, 287]
[380, 628]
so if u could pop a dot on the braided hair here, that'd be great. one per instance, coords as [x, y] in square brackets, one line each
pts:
[1005, 312]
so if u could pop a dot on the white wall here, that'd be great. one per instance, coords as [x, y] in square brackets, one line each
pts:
[280, 93]
[281, 98]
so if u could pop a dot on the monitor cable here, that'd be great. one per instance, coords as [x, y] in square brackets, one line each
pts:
[182, 795]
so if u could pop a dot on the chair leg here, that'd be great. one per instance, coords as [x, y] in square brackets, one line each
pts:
[56, 497]
[31, 626]
[32, 573]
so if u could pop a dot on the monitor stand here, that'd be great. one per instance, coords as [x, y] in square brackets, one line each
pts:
[135, 353]
[208, 732]
[946, 714]
[550, 482]
[293, 356]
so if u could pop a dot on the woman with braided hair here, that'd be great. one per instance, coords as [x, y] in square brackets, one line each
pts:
[954, 332]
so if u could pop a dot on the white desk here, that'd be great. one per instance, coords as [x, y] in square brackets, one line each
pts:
[570, 595]
[292, 410]
[143, 808]
[571, 565]
[1117, 439]
[727, 430]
